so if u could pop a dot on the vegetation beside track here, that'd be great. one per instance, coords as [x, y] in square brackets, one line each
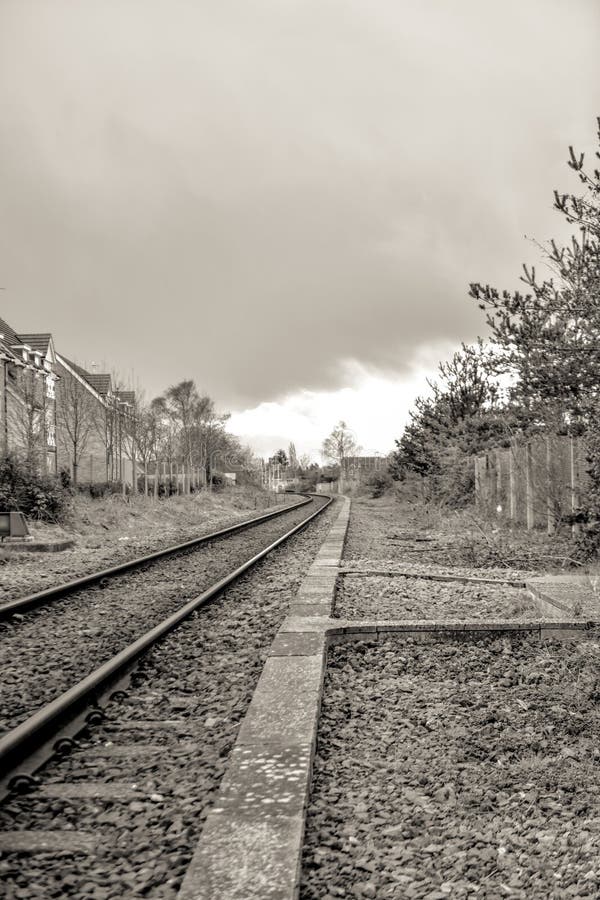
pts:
[456, 539]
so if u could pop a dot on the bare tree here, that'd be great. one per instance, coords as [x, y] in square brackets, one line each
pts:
[340, 444]
[292, 457]
[182, 400]
[147, 426]
[29, 416]
[77, 413]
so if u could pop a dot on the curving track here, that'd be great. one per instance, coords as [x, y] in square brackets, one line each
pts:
[81, 646]
[41, 598]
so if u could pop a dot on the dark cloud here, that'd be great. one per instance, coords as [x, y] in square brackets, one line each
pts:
[249, 194]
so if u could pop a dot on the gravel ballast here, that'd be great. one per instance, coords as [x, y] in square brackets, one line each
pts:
[374, 597]
[112, 531]
[45, 651]
[185, 705]
[457, 769]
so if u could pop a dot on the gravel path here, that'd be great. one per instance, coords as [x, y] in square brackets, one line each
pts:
[198, 683]
[373, 597]
[455, 770]
[46, 650]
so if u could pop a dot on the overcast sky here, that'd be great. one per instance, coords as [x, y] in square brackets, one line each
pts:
[282, 199]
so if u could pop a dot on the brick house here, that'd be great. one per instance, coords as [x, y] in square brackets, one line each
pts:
[28, 396]
[93, 413]
[61, 416]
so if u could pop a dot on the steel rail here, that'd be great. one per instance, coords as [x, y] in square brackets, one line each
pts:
[27, 747]
[31, 601]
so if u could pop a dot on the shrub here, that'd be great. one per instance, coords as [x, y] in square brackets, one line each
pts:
[168, 488]
[37, 496]
[99, 489]
[378, 482]
[455, 486]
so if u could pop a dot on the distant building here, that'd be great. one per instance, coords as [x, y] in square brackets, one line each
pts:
[358, 468]
[358, 464]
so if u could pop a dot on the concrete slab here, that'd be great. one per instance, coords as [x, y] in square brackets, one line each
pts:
[298, 644]
[17, 546]
[367, 630]
[305, 623]
[314, 584]
[256, 859]
[285, 704]
[266, 782]
[314, 589]
[326, 582]
[310, 609]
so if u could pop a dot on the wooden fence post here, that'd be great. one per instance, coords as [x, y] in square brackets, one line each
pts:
[512, 483]
[529, 486]
[550, 502]
[477, 483]
[574, 480]
[499, 497]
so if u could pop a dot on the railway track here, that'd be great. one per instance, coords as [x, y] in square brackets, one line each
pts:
[47, 649]
[50, 728]
[41, 598]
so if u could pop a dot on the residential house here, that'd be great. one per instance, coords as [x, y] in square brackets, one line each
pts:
[61, 416]
[28, 396]
[96, 425]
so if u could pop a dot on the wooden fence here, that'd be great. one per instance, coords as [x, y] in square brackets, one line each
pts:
[535, 484]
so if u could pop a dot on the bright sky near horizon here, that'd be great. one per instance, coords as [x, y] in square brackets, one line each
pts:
[283, 199]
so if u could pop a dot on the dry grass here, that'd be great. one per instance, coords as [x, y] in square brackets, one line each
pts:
[141, 517]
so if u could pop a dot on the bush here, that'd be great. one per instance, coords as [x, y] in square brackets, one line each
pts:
[99, 489]
[455, 486]
[378, 482]
[168, 488]
[38, 496]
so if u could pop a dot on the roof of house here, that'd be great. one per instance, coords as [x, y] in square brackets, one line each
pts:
[38, 342]
[74, 366]
[100, 382]
[10, 335]
[126, 396]
[8, 353]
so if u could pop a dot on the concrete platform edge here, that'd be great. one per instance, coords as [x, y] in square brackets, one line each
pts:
[251, 844]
